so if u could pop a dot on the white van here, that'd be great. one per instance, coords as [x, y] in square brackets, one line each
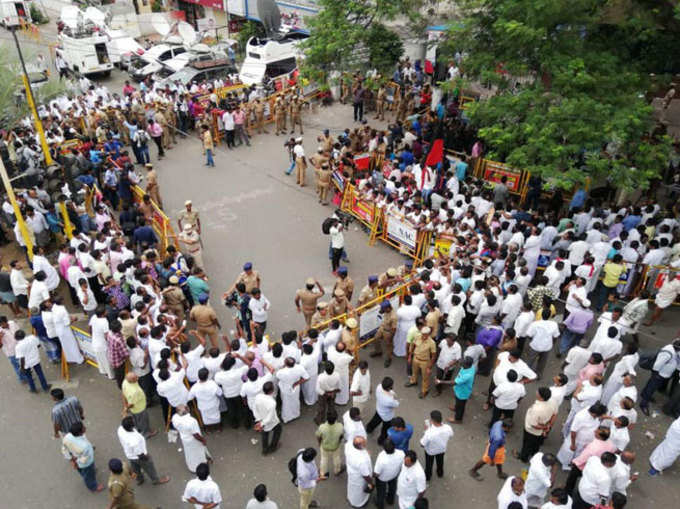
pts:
[13, 11]
[267, 59]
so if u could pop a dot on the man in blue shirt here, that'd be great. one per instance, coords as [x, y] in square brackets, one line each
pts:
[461, 170]
[400, 433]
[144, 234]
[633, 219]
[495, 450]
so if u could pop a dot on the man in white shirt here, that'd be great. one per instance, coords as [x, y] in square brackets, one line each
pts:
[595, 485]
[203, 491]
[99, 327]
[341, 359]
[134, 447]
[539, 478]
[337, 244]
[359, 472]
[230, 379]
[360, 389]
[28, 356]
[327, 386]
[385, 403]
[449, 356]
[259, 307]
[386, 471]
[542, 333]
[266, 420]
[311, 353]
[260, 499]
[411, 483]
[506, 396]
[434, 441]
[352, 425]
[290, 377]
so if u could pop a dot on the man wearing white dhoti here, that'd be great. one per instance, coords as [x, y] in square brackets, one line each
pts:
[540, 478]
[406, 318]
[359, 472]
[207, 394]
[580, 433]
[291, 376]
[667, 451]
[311, 355]
[193, 442]
[62, 322]
[341, 360]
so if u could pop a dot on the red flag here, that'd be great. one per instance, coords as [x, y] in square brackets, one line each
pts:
[436, 154]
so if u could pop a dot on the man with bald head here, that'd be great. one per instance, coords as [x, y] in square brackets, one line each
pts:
[134, 403]
[359, 472]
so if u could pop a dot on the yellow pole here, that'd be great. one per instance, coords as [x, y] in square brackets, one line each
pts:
[31, 104]
[17, 211]
[38, 123]
[68, 227]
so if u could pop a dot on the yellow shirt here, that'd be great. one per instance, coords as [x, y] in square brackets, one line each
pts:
[135, 396]
[612, 271]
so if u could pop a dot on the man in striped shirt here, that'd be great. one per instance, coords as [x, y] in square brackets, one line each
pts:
[65, 412]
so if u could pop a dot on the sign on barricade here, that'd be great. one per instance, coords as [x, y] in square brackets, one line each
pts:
[84, 341]
[401, 231]
[371, 318]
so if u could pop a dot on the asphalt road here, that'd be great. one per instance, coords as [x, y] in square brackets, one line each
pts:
[251, 211]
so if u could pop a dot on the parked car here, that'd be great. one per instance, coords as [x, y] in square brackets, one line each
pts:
[199, 72]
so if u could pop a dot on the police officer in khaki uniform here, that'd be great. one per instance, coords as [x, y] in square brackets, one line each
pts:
[380, 104]
[174, 298]
[326, 141]
[259, 116]
[189, 216]
[296, 114]
[206, 320]
[368, 292]
[323, 183]
[339, 305]
[388, 279]
[306, 299]
[321, 314]
[350, 337]
[248, 108]
[406, 271]
[433, 317]
[280, 110]
[249, 277]
[344, 283]
[152, 185]
[385, 334]
[422, 355]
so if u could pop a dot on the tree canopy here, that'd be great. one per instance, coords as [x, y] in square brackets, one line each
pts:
[572, 77]
[348, 34]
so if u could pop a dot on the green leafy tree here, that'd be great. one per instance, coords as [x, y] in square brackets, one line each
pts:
[347, 34]
[570, 78]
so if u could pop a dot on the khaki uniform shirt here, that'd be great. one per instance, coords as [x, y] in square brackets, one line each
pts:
[174, 297]
[151, 180]
[350, 339]
[336, 308]
[367, 294]
[186, 217]
[308, 299]
[250, 280]
[432, 321]
[203, 315]
[318, 318]
[324, 176]
[424, 349]
[346, 285]
[389, 322]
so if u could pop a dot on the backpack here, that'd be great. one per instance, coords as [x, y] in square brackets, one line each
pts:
[326, 225]
[292, 466]
[648, 358]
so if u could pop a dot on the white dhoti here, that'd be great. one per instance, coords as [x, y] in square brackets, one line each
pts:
[611, 387]
[195, 453]
[69, 345]
[667, 451]
[290, 403]
[565, 455]
[309, 390]
[103, 364]
[356, 496]
[399, 340]
[342, 397]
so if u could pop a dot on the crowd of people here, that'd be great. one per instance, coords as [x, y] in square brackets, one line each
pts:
[484, 309]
